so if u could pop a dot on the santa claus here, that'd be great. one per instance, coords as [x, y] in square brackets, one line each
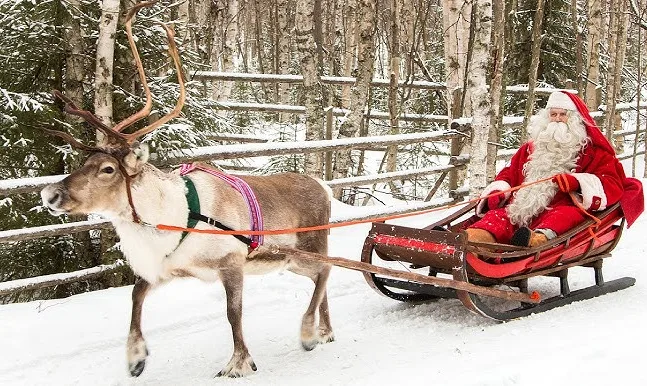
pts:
[564, 144]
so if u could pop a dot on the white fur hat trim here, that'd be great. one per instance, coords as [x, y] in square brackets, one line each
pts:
[559, 100]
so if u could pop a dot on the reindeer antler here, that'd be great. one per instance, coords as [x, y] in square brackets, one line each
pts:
[173, 52]
[125, 140]
[143, 113]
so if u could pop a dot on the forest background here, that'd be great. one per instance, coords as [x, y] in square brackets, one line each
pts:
[474, 49]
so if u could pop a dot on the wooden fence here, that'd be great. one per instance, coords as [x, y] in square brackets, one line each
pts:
[451, 136]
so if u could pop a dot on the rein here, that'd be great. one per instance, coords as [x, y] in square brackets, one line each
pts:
[341, 224]
[129, 192]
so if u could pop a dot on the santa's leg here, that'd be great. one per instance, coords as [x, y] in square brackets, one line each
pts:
[495, 226]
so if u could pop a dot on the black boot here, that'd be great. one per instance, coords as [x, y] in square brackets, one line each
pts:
[521, 237]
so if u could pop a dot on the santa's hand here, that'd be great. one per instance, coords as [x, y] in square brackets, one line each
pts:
[495, 200]
[566, 182]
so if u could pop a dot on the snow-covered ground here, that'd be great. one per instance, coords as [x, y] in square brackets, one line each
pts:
[81, 340]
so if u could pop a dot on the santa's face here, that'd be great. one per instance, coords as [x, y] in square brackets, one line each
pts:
[558, 115]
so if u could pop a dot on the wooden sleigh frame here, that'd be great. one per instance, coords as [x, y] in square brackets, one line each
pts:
[495, 270]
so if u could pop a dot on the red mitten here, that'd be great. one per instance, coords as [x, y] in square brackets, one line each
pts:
[495, 199]
[566, 182]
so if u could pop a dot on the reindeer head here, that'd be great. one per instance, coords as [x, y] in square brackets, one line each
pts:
[99, 185]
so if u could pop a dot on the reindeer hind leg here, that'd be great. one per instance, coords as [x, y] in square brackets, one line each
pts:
[241, 362]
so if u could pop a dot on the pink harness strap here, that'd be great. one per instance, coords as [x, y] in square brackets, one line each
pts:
[242, 187]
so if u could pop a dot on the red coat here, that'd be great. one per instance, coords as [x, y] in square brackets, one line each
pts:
[601, 185]
[601, 181]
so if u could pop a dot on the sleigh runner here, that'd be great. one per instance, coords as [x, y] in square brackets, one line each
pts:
[505, 270]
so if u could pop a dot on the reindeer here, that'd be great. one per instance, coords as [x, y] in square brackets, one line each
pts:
[117, 182]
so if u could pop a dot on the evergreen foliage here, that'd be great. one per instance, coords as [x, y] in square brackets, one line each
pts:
[33, 63]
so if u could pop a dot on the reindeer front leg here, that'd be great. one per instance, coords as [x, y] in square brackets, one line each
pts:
[241, 362]
[136, 351]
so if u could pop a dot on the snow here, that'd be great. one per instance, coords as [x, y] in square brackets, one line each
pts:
[80, 340]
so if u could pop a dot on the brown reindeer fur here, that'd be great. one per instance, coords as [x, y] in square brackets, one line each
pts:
[286, 200]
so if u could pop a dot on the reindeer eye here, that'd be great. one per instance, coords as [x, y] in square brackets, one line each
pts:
[108, 170]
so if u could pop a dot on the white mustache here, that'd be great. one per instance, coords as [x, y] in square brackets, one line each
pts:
[557, 131]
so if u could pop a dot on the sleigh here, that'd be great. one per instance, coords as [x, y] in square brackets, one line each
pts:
[438, 262]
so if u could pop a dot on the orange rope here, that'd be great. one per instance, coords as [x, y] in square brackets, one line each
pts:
[562, 183]
[338, 225]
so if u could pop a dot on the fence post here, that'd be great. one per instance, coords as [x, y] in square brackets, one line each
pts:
[328, 155]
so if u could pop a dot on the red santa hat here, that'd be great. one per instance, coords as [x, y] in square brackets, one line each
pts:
[595, 134]
[632, 201]
[560, 100]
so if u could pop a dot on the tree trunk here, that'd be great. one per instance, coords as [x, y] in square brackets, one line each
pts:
[579, 65]
[456, 26]
[496, 85]
[593, 64]
[366, 23]
[283, 51]
[105, 61]
[312, 87]
[480, 96]
[457, 15]
[350, 35]
[537, 28]
[224, 59]
[394, 78]
[617, 42]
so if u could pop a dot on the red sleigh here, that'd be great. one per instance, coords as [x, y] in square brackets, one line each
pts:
[483, 269]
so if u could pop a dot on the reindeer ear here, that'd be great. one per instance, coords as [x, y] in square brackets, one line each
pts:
[136, 158]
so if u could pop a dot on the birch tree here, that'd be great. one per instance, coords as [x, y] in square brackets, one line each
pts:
[394, 79]
[366, 23]
[223, 56]
[456, 27]
[496, 85]
[537, 37]
[480, 99]
[312, 87]
[348, 29]
[283, 50]
[594, 26]
[104, 69]
[617, 44]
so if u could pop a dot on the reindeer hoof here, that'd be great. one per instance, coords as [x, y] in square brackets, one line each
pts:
[309, 345]
[327, 337]
[137, 368]
[233, 370]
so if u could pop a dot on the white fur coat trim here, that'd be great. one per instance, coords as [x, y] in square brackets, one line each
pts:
[493, 186]
[591, 188]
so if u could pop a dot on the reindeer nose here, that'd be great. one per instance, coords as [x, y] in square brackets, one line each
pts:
[51, 196]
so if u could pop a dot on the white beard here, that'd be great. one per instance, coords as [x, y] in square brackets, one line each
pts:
[557, 148]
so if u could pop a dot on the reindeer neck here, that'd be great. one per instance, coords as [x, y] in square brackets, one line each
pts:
[158, 198]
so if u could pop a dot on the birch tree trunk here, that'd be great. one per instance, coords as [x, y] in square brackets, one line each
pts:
[481, 108]
[496, 85]
[456, 27]
[283, 52]
[223, 57]
[350, 33]
[617, 40]
[394, 79]
[579, 65]
[593, 64]
[537, 38]
[312, 87]
[105, 61]
[366, 14]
